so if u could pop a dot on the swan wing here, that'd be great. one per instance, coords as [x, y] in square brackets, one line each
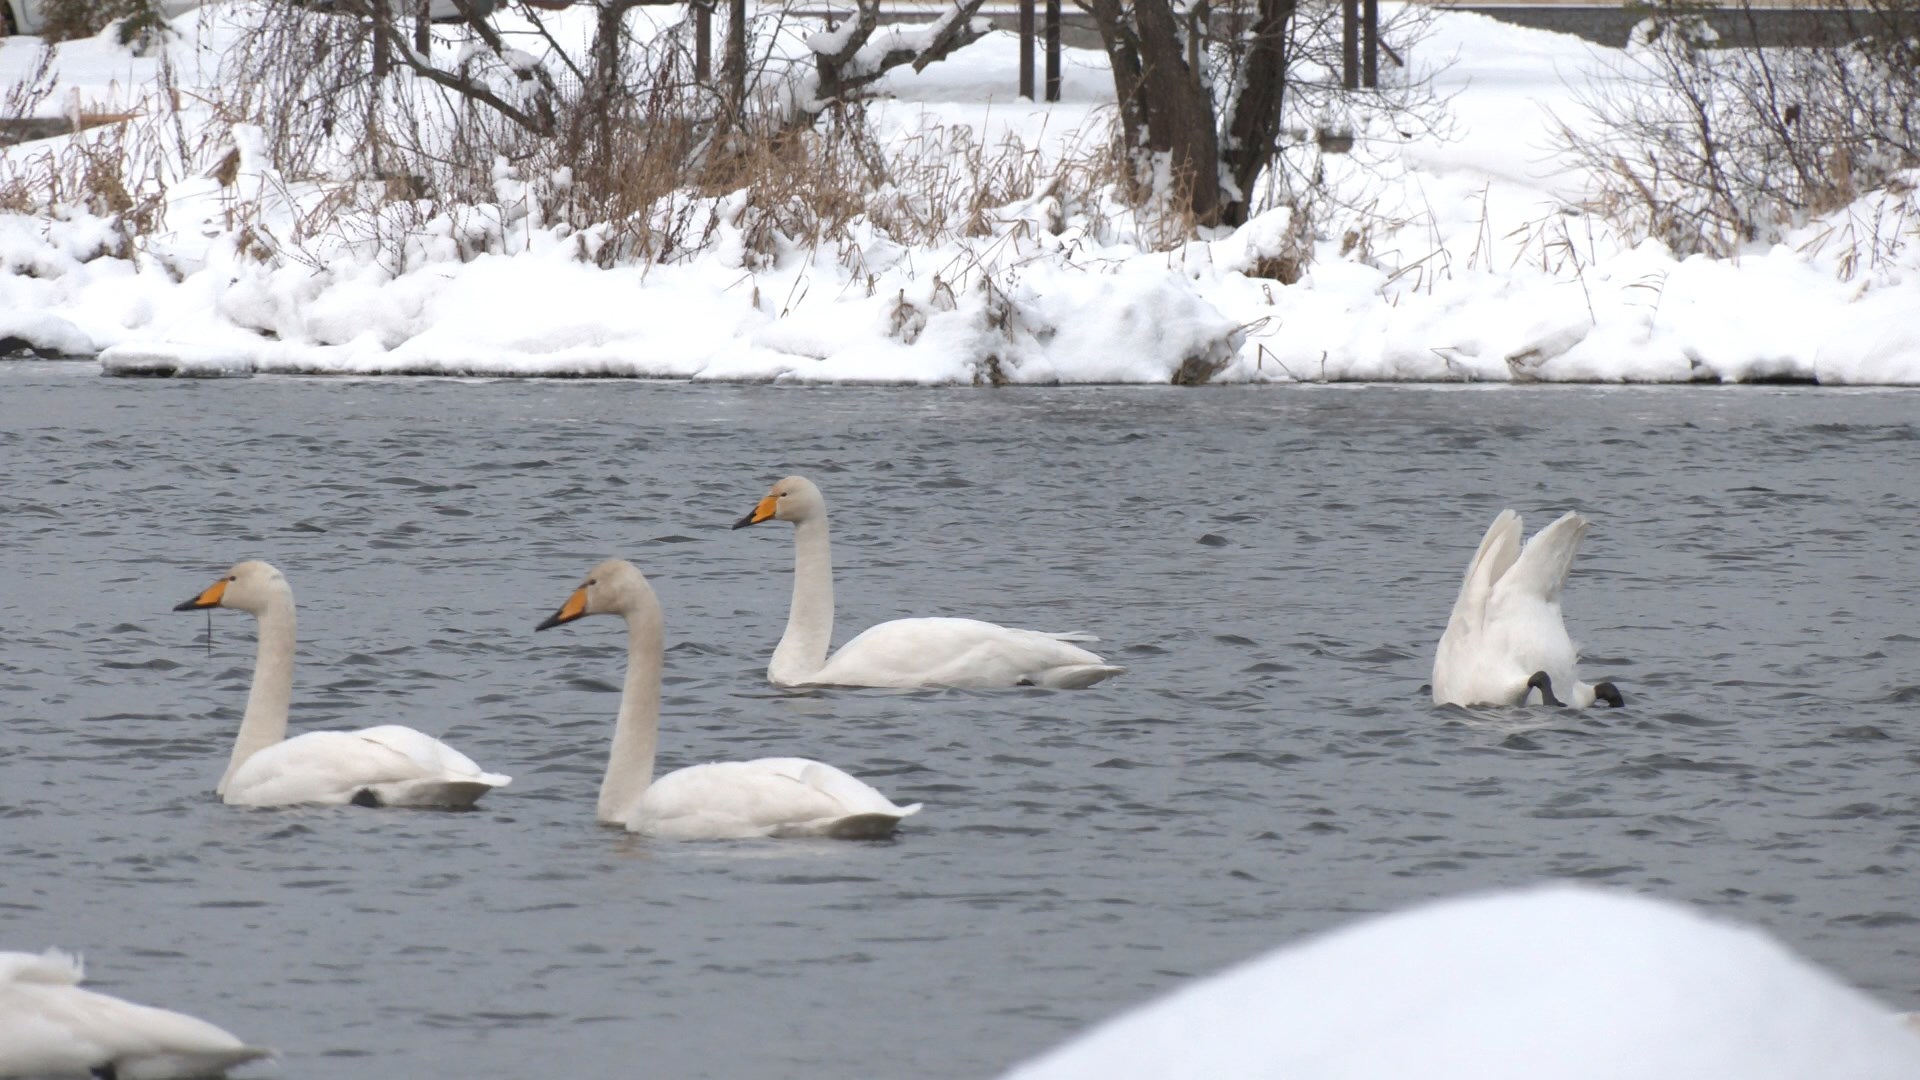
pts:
[1498, 551]
[1540, 573]
[765, 797]
[1467, 668]
[432, 755]
[392, 765]
[962, 652]
[51, 1026]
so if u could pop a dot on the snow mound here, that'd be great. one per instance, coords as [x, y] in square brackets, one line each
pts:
[1557, 982]
[47, 335]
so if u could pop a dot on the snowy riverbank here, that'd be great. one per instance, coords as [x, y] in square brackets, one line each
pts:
[1470, 264]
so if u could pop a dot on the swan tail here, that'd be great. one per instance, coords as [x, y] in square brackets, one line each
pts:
[1073, 676]
[868, 826]
[433, 794]
[1542, 567]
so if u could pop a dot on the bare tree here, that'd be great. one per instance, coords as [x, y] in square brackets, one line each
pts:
[1205, 90]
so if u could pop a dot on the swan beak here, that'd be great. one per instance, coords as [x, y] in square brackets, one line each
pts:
[210, 598]
[575, 607]
[762, 510]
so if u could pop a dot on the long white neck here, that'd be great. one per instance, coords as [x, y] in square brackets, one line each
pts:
[636, 734]
[266, 721]
[802, 651]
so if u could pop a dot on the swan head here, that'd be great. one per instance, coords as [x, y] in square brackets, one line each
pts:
[792, 499]
[615, 587]
[252, 586]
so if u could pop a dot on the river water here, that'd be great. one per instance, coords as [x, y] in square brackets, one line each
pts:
[1273, 565]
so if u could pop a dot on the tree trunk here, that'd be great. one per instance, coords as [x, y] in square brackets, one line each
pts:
[1180, 121]
[1165, 106]
[1253, 138]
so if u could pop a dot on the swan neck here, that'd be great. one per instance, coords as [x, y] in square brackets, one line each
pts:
[636, 734]
[265, 723]
[802, 651]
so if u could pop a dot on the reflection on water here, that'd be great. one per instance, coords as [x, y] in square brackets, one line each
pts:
[1272, 566]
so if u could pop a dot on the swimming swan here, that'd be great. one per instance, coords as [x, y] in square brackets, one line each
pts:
[389, 765]
[1505, 637]
[904, 652]
[49, 1026]
[727, 800]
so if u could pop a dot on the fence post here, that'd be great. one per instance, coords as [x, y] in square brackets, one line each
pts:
[735, 64]
[1053, 50]
[1026, 50]
[1370, 43]
[1350, 44]
[702, 43]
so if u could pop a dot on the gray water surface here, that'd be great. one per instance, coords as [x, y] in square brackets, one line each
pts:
[1273, 566]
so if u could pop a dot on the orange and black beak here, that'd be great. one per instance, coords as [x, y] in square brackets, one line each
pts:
[575, 607]
[762, 510]
[209, 598]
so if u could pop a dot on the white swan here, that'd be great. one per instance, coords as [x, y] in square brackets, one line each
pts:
[389, 765]
[49, 1026]
[904, 652]
[1555, 982]
[1505, 637]
[728, 800]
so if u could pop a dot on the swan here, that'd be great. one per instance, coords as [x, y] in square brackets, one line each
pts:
[729, 800]
[904, 652]
[50, 1026]
[389, 765]
[1505, 638]
[1548, 982]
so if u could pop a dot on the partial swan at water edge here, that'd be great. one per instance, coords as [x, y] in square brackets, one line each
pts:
[1554, 982]
[729, 800]
[1505, 638]
[389, 765]
[903, 652]
[51, 1027]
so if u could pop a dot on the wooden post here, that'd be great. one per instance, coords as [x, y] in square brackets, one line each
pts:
[1026, 50]
[736, 59]
[1370, 43]
[1053, 50]
[1350, 44]
[702, 43]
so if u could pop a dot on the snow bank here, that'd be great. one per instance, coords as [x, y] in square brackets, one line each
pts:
[1552, 983]
[1474, 264]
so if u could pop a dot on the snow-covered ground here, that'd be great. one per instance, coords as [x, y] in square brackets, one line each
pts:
[1559, 982]
[1471, 262]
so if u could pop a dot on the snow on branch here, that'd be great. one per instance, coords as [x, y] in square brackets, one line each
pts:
[851, 57]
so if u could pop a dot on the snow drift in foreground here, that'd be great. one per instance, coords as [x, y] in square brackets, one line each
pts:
[1552, 983]
[1473, 262]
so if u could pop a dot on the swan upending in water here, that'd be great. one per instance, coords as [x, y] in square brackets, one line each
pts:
[781, 797]
[389, 765]
[1505, 637]
[51, 1027]
[903, 652]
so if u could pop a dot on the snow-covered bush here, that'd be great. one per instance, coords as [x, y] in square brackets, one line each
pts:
[1708, 147]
